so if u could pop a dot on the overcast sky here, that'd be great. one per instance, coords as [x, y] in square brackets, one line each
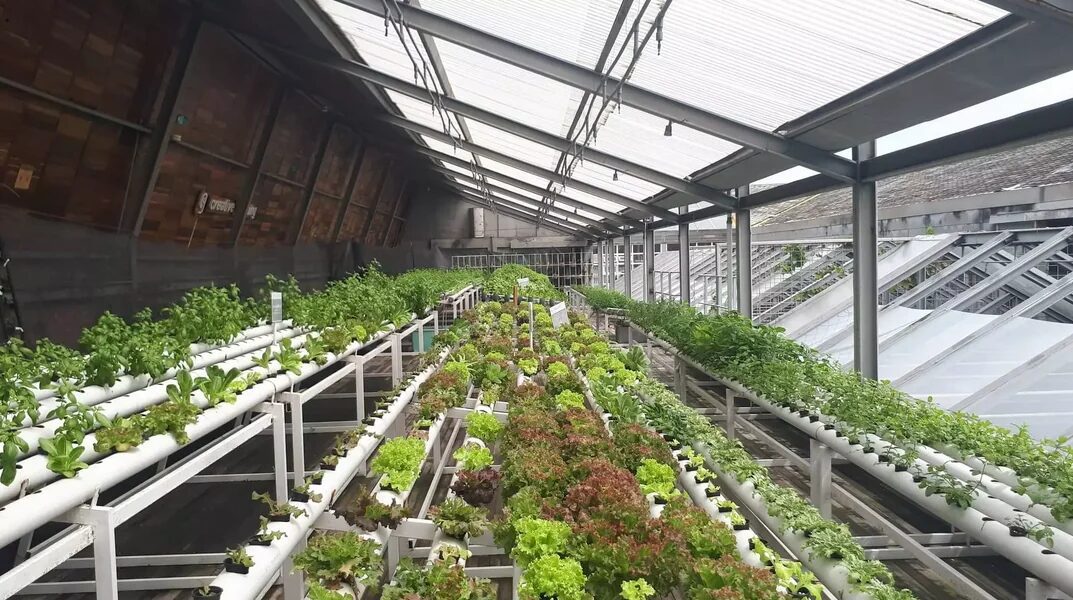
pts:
[1034, 96]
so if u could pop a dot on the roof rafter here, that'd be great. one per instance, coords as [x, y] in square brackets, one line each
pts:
[524, 213]
[521, 165]
[528, 187]
[468, 181]
[586, 79]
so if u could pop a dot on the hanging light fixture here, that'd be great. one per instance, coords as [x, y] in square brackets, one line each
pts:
[614, 176]
[668, 130]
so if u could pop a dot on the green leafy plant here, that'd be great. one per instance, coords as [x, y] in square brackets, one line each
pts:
[319, 592]
[265, 534]
[181, 390]
[278, 509]
[569, 399]
[63, 456]
[484, 426]
[239, 556]
[217, 384]
[458, 519]
[368, 513]
[552, 576]
[472, 457]
[657, 478]
[637, 589]
[538, 537]
[288, 357]
[119, 435]
[340, 557]
[399, 461]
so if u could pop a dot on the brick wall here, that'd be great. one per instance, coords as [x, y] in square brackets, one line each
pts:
[114, 57]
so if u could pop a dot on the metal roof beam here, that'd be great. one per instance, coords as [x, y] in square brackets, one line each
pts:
[528, 187]
[462, 109]
[549, 219]
[586, 79]
[468, 181]
[521, 165]
[1037, 10]
[514, 213]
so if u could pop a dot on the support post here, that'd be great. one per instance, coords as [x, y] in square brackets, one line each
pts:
[732, 415]
[627, 276]
[865, 283]
[743, 240]
[732, 300]
[650, 265]
[680, 381]
[298, 455]
[684, 276]
[820, 477]
[599, 265]
[104, 555]
[145, 171]
[279, 449]
[396, 359]
[249, 186]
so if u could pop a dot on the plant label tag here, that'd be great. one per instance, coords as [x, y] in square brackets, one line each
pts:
[523, 282]
[277, 306]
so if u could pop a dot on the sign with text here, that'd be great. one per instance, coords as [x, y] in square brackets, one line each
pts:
[219, 205]
[277, 306]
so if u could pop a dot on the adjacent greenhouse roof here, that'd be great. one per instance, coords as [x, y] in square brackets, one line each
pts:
[762, 67]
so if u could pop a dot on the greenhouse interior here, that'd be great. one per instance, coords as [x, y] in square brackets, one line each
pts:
[516, 300]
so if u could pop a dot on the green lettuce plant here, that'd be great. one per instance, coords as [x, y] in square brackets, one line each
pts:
[399, 461]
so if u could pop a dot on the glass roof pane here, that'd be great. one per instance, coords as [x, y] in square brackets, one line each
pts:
[603, 177]
[568, 29]
[515, 173]
[512, 145]
[766, 63]
[558, 211]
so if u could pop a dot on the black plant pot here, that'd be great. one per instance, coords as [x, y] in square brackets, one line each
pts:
[900, 468]
[299, 496]
[710, 493]
[675, 445]
[232, 567]
[836, 556]
[691, 468]
[725, 509]
[813, 418]
[699, 480]
[368, 420]
[741, 527]
[214, 592]
[279, 518]
[868, 450]
[1018, 531]
[802, 413]
[327, 467]
[668, 437]
[918, 478]
[884, 458]
[256, 541]
[659, 500]
[424, 427]
[828, 427]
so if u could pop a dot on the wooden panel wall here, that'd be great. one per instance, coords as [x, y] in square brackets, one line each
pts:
[115, 56]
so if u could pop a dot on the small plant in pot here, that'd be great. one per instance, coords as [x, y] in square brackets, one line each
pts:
[458, 519]
[370, 514]
[315, 477]
[738, 521]
[1020, 526]
[278, 511]
[303, 493]
[703, 475]
[208, 591]
[238, 561]
[726, 506]
[329, 462]
[477, 487]
[265, 536]
[712, 490]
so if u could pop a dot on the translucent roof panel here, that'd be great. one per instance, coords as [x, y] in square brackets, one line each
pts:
[762, 63]
[560, 210]
[603, 177]
[765, 63]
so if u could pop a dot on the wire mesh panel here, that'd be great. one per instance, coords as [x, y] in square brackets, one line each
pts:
[562, 268]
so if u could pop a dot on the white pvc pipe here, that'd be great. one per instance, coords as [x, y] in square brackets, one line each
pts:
[269, 559]
[124, 406]
[127, 383]
[29, 512]
[1052, 566]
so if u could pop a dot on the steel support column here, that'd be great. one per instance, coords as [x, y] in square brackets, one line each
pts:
[650, 265]
[743, 240]
[249, 186]
[865, 282]
[146, 170]
[627, 276]
[684, 275]
[311, 187]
